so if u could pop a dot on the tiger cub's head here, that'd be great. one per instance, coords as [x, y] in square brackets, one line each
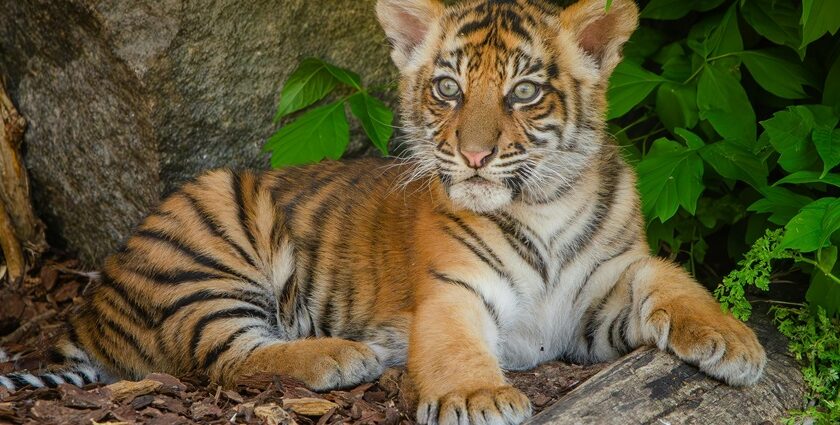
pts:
[504, 99]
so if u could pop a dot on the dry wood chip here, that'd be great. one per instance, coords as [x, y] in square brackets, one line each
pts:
[167, 419]
[170, 404]
[171, 385]
[204, 410]
[142, 401]
[124, 390]
[273, 414]
[309, 406]
[73, 396]
[49, 411]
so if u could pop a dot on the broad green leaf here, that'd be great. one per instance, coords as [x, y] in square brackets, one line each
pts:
[319, 133]
[692, 140]
[676, 105]
[823, 291]
[827, 142]
[643, 43]
[675, 9]
[805, 177]
[780, 203]
[776, 20]
[775, 73]
[666, 9]
[722, 100]
[309, 83]
[789, 133]
[716, 36]
[831, 89]
[669, 176]
[346, 77]
[812, 227]
[734, 161]
[376, 119]
[819, 17]
[629, 85]
[676, 64]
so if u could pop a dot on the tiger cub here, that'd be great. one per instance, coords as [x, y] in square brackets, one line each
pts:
[512, 237]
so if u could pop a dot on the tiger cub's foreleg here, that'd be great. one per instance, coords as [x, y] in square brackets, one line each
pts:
[658, 303]
[320, 363]
[453, 365]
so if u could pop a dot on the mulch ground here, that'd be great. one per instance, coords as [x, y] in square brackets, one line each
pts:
[32, 316]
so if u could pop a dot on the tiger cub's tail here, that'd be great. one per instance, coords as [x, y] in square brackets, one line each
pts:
[69, 365]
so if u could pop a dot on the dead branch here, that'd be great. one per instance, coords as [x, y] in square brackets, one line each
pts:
[19, 227]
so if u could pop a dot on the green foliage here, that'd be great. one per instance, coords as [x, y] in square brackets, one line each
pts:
[730, 111]
[322, 131]
[815, 341]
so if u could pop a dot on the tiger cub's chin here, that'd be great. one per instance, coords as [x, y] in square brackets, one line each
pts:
[480, 195]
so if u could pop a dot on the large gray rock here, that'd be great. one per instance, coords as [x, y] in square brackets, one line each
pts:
[127, 99]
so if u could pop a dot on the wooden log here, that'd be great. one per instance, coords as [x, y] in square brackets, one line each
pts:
[19, 227]
[649, 386]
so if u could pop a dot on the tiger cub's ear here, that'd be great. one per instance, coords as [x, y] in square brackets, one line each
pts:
[407, 23]
[601, 32]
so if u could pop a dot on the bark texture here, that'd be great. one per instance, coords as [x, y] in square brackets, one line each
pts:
[649, 386]
[20, 229]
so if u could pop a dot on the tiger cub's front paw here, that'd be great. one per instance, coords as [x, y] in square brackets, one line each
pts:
[499, 405]
[720, 345]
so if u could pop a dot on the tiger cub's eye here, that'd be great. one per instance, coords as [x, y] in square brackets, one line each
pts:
[525, 91]
[448, 88]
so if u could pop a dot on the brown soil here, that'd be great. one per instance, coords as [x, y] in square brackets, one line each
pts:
[32, 315]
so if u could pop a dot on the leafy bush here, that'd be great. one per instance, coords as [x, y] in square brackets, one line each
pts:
[729, 110]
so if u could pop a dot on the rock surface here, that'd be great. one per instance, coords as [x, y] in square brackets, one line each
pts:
[125, 100]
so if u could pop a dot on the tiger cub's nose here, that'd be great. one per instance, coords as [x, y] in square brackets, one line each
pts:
[478, 159]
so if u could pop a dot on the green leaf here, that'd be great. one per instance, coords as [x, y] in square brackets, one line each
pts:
[376, 119]
[805, 177]
[319, 133]
[827, 142]
[780, 203]
[692, 140]
[812, 227]
[789, 133]
[777, 74]
[831, 89]
[823, 291]
[669, 176]
[345, 76]
[643, 43]
[309, 83]
[675, 9]
[676, 105]
[819, 17]
[717, 35]
[629, 85]
[666, 9]
[734, 161]
[776, 20]
[722, 100]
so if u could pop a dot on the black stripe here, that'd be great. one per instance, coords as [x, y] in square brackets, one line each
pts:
[217, 231]
[214, 354]
[490, 309]
[617, 327]
[473, 26]
[70, 377]
[254, 299]
[198, 257]
[128, 337]
[177, 277]
[244, 220]
[137, 310]
[50, 381]
[524, 246]
[18, 380]
[239, 312]
[474, 249]
[472, 233]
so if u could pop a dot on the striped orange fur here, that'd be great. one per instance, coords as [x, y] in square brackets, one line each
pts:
[511, 236]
